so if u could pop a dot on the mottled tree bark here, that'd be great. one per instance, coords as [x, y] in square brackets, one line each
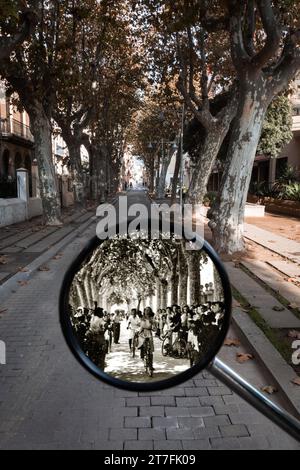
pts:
[41, 130]
[183, 276]
[227, 215]
[193, 259]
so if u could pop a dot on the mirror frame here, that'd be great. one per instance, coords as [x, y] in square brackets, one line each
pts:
[84, 360]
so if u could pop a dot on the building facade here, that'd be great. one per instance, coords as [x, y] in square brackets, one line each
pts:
[17, 152]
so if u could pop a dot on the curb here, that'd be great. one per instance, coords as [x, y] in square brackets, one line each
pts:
[282, 373]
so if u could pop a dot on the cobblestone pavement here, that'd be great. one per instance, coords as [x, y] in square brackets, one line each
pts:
[47, 401]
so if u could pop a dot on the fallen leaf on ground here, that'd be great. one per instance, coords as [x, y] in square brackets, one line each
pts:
[236, 303]
[296, 381]
[278, 309]
[44, 268]
[23, 283]
[3, 311]
[22, 270]
[294, 334]
[3, 260]
[59, 256]
[241, 358]
[294, 306]
[232, 342]
[291, 279]
[269, 389]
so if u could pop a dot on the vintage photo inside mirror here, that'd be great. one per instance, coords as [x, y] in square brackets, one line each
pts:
[146, 310]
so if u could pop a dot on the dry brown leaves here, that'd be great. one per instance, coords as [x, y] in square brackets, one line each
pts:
[23, 283]
[269, 389]
[242, 358]
[22, 270]
[58, 256]
[3, 259]
[44, 269]
[278, 309]
[232, 342]
[294, 334]
[296, 381]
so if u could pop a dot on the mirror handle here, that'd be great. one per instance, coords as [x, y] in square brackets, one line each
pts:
[254, 397]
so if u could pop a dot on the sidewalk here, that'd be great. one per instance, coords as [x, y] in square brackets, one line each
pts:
[21, 244]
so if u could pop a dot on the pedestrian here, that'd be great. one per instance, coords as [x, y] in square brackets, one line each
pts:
[117, 326]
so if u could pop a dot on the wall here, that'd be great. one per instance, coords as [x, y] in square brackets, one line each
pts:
[13, 211]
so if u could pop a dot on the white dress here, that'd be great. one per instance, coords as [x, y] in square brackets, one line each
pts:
[133, 326]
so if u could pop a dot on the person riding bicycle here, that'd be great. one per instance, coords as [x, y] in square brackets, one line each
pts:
[133, 326]
[146, 331]
[96, 338]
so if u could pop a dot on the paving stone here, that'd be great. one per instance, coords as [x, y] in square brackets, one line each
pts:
[123, 434]
[192, 422]
[187, 401]
[152, 411]
[168, 445]
[167, 422]
[229, 443]
[179, 434]
[196, 392]
[197, 444]
[138, 401]
[234, 430]
[139, 422]
[202, 411]
[165, 401]
[216, 420]
[207, 432]
[152, 434]
[138, 445]
[177, 411]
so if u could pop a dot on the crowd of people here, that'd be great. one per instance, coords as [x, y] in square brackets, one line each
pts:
[194, 326]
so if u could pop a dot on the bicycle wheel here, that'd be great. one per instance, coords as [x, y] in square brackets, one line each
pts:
[135, 344]
[180, 348]
[165, 347]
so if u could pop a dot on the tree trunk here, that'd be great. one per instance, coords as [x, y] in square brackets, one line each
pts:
[152, 176]
[176, 176]
[41, 130]
[164, 296]
[158, 293]
[193, 259]
[74, 147]
[174, 284]
[163, 174]
[227, 215]
[183, 276]
[206, 162]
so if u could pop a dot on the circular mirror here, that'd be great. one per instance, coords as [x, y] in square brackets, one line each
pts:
[143, 313]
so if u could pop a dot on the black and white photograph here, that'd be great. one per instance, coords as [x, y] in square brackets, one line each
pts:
[146, 310]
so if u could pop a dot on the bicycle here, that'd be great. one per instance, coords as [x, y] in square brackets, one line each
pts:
[135, 343]
[148, 357]
[179, 348]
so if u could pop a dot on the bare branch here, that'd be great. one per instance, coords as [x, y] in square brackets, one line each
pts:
[250, 27]
[239, 54]
[271, 28]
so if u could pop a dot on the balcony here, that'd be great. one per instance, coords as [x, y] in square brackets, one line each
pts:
[14, 128]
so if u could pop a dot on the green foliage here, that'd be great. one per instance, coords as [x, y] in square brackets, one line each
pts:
[291, 192]
[277, 128]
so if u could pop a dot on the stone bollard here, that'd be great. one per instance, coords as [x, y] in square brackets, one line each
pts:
[23, 187]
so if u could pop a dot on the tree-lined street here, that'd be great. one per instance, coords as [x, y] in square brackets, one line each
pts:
[192, 101]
